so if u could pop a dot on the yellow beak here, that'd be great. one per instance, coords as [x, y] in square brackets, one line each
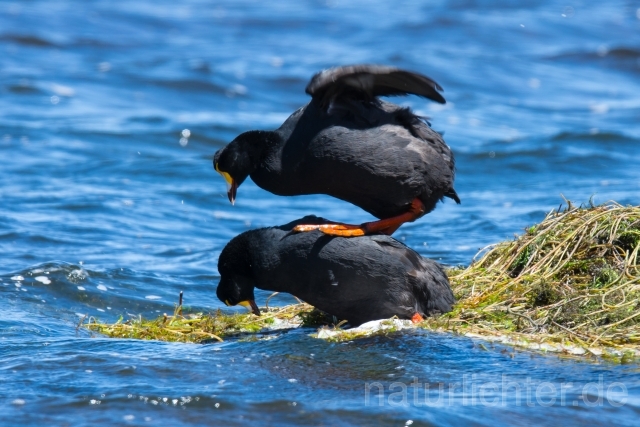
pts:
[232, 187]
[251, 305]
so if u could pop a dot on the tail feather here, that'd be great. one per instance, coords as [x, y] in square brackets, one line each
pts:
[453, 195]
[436, 296]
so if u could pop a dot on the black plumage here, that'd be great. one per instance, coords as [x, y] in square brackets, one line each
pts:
[348, 144]
[358, 279]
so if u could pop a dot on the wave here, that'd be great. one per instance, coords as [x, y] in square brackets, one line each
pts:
[24, 89]
[627, 58]
[27, 40]
[191, 86]
[71, 290]
[593, 135]
[617, 53]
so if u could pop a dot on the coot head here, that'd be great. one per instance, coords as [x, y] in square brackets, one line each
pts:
[236, 278]
[236, 290]
[239, 159]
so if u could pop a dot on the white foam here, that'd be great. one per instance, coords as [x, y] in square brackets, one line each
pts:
[44, 280]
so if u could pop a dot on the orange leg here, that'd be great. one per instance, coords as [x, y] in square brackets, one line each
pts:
[387, 226]
[417, 318]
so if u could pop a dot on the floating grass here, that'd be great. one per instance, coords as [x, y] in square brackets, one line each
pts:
[570, 283]
[573, 279]
[205, 327]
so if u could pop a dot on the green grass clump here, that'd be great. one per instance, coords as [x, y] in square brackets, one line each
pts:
[200, 327]
[573, 279]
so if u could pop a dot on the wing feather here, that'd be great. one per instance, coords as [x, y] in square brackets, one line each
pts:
[370, 81]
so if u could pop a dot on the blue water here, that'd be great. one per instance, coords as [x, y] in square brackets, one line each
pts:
[110, 113]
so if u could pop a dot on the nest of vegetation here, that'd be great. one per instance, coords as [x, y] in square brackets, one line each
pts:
[571, 280]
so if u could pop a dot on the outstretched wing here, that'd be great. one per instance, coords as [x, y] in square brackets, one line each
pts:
[370, 81]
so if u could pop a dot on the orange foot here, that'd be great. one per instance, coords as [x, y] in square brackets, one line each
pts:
[386, 226]
[344, 230]
[417, 318]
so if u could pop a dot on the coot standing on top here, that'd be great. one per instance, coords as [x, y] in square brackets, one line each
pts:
[349, 144]
[358, 279]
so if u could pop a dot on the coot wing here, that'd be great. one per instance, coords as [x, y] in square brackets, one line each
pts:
[369, 81]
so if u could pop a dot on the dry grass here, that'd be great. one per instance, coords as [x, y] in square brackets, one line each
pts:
[571, 279]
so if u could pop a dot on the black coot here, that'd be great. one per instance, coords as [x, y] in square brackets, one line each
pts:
[358, 279]
[349, 144]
